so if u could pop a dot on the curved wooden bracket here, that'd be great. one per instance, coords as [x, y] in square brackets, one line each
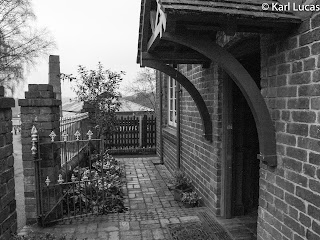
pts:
[264, 124]
[194, 93]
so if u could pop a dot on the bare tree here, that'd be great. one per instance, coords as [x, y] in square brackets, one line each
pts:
[144, 87]
[21, 43]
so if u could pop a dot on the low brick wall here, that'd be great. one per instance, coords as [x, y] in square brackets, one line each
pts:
[8, 215]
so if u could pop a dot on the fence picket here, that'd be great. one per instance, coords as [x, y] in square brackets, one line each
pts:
[127, 133]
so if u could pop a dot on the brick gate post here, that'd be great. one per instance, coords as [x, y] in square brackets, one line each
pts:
[8, 215]
[40, 108]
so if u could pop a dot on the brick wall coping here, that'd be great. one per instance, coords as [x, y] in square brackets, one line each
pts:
[5, 102]
[45, 102]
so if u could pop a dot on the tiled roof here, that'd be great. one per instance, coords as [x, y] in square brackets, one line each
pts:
[248, 11]
[73, 107]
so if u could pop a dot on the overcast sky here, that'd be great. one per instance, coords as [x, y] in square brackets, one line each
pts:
[87, 32]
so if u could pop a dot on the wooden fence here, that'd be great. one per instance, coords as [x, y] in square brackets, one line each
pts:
[133, 133]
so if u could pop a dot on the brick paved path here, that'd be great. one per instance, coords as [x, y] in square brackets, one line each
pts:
[151, 207]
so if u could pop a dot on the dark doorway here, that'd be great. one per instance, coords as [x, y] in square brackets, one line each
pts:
[245, 165]
[240, 166]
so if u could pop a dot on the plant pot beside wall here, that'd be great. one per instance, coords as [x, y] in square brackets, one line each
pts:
[189, 205]
[191, 199]
[180, 184]
[177, 193]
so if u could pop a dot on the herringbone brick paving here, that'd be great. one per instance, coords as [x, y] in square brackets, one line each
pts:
[150, 203]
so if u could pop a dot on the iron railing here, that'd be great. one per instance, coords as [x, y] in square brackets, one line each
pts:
[70, 127]
[70, 194]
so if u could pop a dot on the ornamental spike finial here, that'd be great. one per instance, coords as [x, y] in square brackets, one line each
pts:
[77, 134]
[34, 134]
[47, 181]
[90, 133]
[34, 139]
[33, 148]
[73, 178]
[34, 130]
[52, 135]
[65, 136]
[60, 180]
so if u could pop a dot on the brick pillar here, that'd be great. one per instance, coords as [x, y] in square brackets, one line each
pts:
[8, 215]
[41, 109]
[54, 76]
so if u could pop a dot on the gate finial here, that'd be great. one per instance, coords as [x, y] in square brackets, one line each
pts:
[47, 181]
[77, 134]
[60, 180]
[90, 133]
[73, 178]
[65, 136]
[34, 139]
[52, 135]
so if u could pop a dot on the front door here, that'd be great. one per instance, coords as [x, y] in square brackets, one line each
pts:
[240, 177]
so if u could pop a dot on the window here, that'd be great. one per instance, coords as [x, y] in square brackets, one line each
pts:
[172, 108]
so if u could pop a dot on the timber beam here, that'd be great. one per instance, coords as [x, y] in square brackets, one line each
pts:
[248, 87]
[190, 88]
[177, 58]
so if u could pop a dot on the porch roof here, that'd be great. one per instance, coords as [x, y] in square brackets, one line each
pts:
[203, 17]
[185, 31]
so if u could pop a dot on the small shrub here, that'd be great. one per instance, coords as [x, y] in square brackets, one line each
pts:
[39, 236]
[191, 198]
[180, 180]
[103, 194]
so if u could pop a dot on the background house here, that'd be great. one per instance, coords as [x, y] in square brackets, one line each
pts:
[127, 108]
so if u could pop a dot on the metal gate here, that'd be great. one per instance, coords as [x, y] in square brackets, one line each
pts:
[79, 186]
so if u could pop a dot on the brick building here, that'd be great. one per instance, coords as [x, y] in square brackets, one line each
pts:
[238, 101]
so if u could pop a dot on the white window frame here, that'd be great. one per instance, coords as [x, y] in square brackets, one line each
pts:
[172, 103]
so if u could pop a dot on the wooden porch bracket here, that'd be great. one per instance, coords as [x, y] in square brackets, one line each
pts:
[264, 124]
[191, 89]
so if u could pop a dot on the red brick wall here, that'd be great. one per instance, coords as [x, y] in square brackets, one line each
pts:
[169, 133]
[290, 193]
[40, 108]
[289, 204]
[8, 214]
[199, 158]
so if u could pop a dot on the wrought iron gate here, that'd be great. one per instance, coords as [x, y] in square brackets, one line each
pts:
[73, 191]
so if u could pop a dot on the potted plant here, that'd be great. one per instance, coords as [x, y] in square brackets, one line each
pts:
[190, 199]
[180, 183]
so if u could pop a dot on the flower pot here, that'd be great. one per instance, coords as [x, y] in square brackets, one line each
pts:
[189, 205]
[177, 193]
